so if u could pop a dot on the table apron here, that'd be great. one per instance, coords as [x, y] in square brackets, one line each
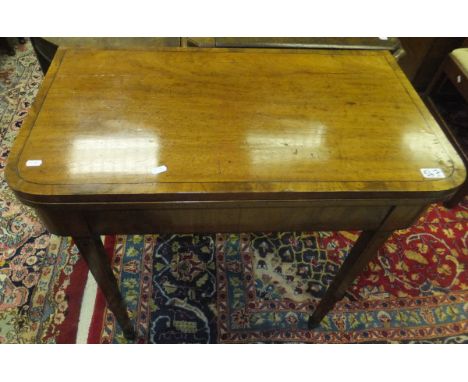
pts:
[218, 219]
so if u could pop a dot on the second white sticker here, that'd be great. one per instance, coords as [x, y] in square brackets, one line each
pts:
[432, 173]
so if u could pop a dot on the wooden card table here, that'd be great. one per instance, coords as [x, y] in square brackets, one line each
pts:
[229, 140]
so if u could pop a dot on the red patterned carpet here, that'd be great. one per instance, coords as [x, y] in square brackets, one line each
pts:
[260, 287]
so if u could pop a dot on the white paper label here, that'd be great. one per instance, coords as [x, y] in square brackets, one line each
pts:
[33, 162]
[433, 173]
[158, 170]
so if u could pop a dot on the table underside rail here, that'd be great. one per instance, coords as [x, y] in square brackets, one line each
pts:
[206, 219]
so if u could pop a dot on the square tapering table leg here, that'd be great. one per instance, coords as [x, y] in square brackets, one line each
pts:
[92, 250]
[363, 251]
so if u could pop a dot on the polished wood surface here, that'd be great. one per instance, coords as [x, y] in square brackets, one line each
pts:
[46, 47]
[243, 123]
[250, 140]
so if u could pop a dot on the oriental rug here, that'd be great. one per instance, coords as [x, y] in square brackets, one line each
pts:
[41, 276]
[261, 287]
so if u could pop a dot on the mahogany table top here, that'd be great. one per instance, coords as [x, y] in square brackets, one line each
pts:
[180, 123]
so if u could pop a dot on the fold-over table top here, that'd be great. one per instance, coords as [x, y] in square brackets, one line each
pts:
[229, 122]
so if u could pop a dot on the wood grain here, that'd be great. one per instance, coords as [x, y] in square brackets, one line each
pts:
[234, 122]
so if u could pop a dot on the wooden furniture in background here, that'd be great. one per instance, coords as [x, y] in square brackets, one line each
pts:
[391, 44]
[7, 44]
[454, 70]
[45, 47]
[423, 57]
[221, 140]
